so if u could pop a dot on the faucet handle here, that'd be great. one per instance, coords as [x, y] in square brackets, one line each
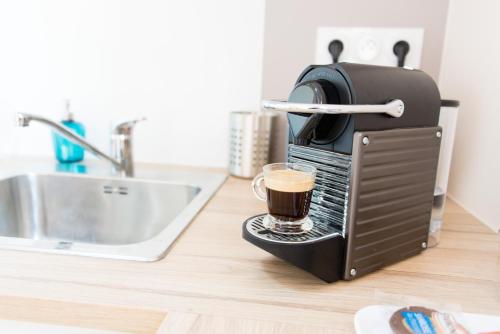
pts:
[125, 127]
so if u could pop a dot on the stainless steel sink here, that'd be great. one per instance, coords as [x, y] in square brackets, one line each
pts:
[136, 219]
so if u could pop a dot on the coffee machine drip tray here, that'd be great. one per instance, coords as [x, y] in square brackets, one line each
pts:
[255, 227]
[319, 251]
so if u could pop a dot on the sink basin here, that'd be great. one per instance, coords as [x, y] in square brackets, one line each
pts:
[90, 210]
[135, 219]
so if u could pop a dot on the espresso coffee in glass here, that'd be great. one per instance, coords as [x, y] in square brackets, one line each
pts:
[288, 191]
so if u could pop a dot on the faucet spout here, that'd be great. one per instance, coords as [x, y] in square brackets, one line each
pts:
[24, 120]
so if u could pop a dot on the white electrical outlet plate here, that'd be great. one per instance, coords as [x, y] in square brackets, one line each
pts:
[369, 45]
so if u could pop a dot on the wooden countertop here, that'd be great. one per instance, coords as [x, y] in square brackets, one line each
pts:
[212, 281]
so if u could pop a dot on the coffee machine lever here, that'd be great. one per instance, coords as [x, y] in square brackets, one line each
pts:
[394, 108]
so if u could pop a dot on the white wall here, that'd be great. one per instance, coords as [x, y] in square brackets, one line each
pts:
[183, 64]
[470, 72]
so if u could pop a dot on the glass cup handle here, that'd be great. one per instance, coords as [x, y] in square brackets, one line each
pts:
[257, 187]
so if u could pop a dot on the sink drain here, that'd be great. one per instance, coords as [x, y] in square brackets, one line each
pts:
[63, 245]
[117, 190]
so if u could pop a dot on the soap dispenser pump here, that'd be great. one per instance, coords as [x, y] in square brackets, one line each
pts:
[65, 150]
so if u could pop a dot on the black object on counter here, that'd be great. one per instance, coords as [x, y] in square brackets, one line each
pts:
[376, 167]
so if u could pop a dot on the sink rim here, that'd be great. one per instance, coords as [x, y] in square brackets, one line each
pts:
[152, 249]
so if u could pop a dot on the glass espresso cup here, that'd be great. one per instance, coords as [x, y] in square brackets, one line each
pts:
[287, 188]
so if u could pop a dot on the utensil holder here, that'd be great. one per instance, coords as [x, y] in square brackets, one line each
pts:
[250, 139]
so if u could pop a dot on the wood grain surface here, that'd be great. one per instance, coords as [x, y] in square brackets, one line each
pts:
[91, 316]
[212, 281]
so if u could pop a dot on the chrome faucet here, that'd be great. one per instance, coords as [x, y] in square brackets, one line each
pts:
[121, 141]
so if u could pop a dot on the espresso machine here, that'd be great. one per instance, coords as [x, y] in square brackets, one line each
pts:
[372, 133]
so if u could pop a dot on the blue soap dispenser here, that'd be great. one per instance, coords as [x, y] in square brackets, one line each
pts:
[64, 149]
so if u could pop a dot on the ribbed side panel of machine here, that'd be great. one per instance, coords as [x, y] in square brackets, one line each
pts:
[330, 196]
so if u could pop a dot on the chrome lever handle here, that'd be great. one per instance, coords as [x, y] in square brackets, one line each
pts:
[126, 126]
[394, 108]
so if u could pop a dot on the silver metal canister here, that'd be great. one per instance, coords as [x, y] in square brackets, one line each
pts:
[251, 135]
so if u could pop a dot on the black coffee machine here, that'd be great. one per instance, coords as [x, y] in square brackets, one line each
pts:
[372, 133]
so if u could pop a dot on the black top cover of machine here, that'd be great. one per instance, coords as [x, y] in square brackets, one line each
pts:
[346, 83]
